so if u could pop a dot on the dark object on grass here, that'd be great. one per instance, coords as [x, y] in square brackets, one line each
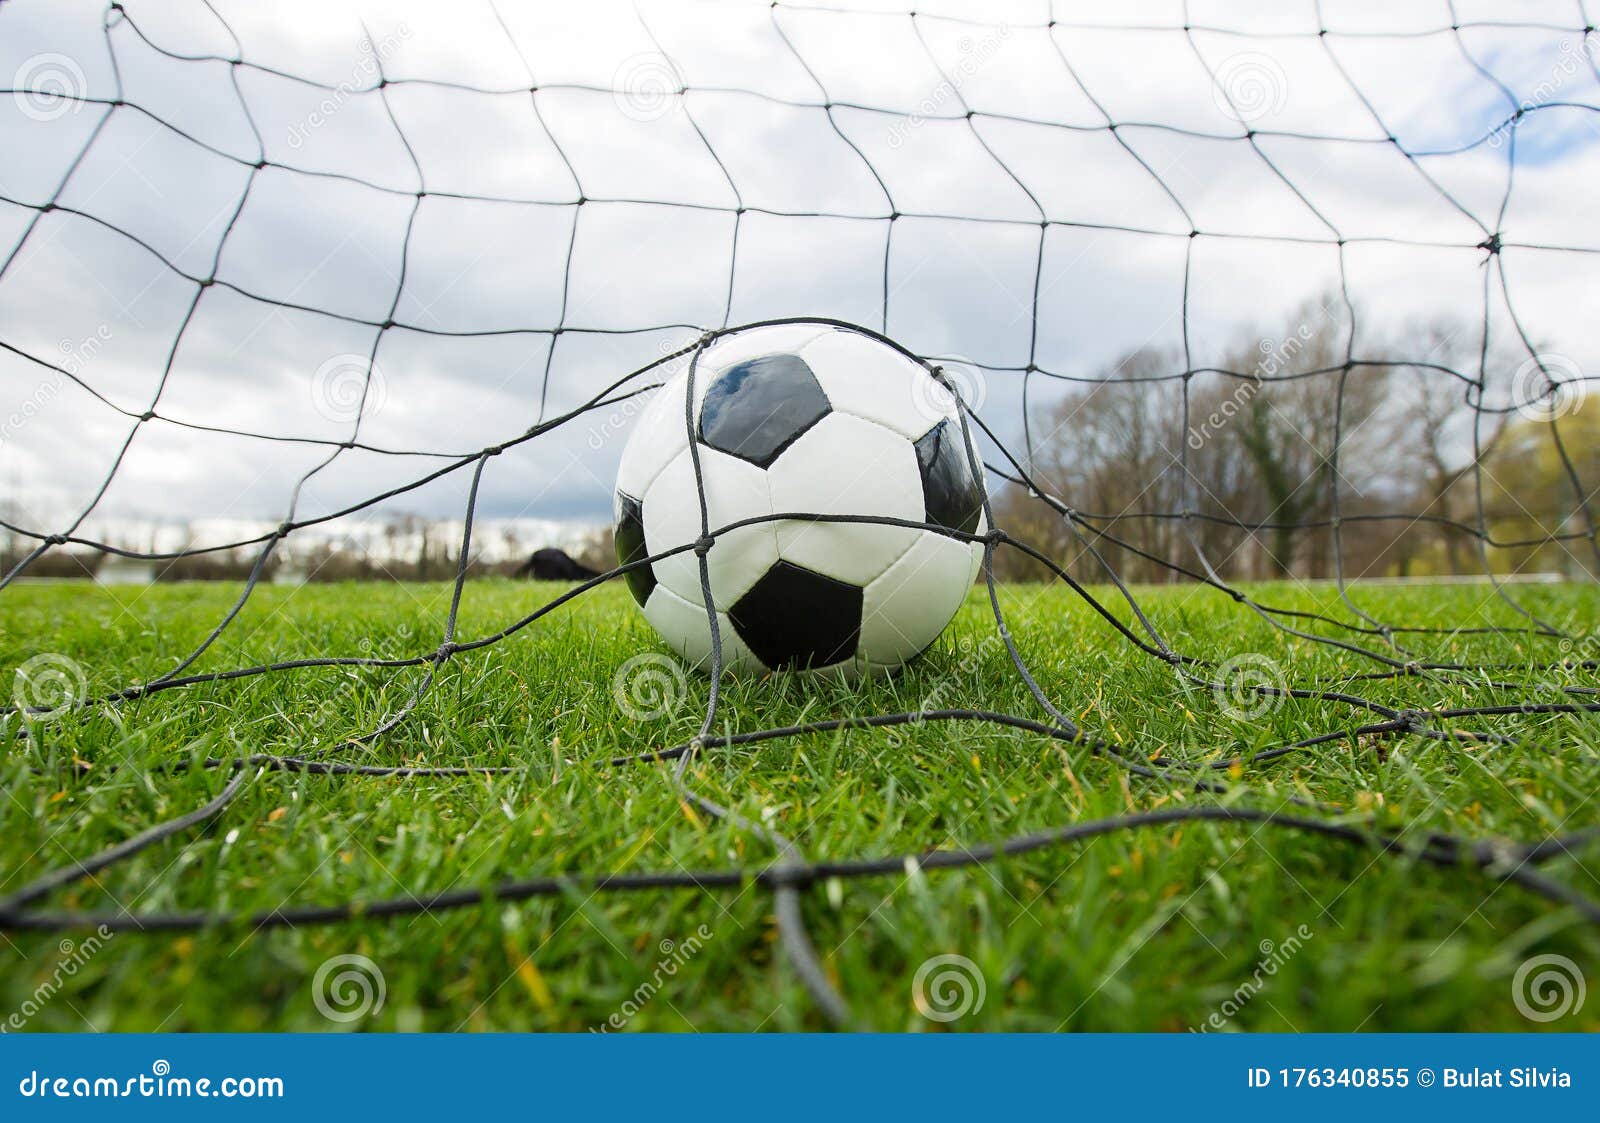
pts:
[551, 564]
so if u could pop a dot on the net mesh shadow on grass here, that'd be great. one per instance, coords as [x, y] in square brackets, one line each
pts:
[1380, 646]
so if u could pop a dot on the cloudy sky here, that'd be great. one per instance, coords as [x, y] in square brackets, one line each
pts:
[515, 205]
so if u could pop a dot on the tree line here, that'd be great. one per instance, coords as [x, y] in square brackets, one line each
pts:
[1299, 456]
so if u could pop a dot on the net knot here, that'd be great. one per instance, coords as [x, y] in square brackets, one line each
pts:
[446, 649]
[1491, 244]
[703, 544]
[1409, 720]
[780, 877]
[1496, 853]
[995, 537]
[55, 540]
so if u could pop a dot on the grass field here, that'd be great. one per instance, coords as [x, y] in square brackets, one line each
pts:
[1163, 929]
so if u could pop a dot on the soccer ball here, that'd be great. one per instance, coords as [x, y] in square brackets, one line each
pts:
[804, 419]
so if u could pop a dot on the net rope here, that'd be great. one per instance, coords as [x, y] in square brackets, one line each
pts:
[1203, 787]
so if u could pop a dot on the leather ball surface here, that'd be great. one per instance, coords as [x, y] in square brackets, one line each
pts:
[801, 419]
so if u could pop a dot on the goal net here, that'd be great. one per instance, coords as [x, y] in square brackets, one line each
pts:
[1286, 303]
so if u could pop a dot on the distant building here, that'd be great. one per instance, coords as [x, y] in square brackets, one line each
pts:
[114, 569]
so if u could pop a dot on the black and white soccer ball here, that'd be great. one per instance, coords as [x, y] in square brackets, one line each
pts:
[807, 419]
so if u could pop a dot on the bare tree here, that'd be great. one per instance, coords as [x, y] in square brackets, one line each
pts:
[1239, 470]
[1438, 406]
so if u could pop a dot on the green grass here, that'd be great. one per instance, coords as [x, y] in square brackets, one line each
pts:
[1154, 930]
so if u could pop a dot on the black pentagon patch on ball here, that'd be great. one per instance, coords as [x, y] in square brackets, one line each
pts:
[759, 407]
[950, 494]
[794, 618]
[629, 540]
